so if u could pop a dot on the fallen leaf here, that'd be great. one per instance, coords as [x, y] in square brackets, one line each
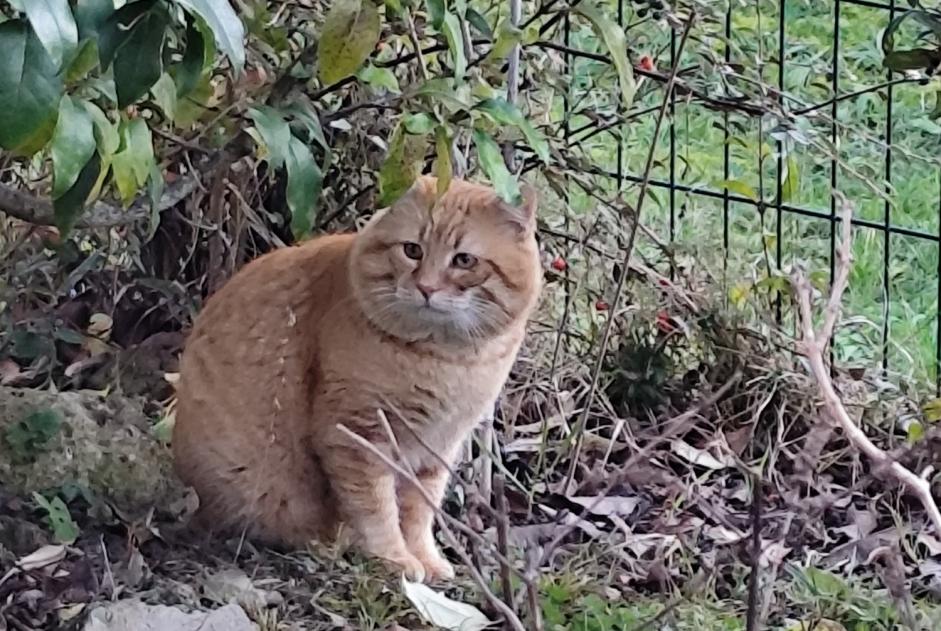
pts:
[724, 535]
[233, 585]
[700, 457]
[606, 506]
[43, 557]
[442, 611]
[9, 372]
[100, 325]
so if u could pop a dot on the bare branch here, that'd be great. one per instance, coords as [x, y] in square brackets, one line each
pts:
[35, 210]
[814, 345]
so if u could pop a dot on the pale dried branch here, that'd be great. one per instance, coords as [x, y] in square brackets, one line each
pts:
[814, 344]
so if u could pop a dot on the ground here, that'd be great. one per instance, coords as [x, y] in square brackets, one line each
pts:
[695, 420]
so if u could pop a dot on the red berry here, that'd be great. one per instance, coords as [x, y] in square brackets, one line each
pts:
[559, 264]
[646, 63]
[665, 322]
[601, 305]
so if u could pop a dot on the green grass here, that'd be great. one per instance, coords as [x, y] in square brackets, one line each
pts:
[912, 279]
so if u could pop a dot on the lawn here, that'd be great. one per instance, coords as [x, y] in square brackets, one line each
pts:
[892, 306]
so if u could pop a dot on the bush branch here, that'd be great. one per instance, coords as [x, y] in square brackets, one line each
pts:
[814, 345]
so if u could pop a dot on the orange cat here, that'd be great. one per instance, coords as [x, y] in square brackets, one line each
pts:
[420, 314]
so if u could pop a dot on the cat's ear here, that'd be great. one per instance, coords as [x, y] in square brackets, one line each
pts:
[523, 215]
[420, 195]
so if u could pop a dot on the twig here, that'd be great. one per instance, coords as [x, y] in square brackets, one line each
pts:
[32, 209]
[511, 618]
[513, 78]
[814, 345]
[670, 429]
[503, 538]
[578, 430]
[416, 44]
[752, 615]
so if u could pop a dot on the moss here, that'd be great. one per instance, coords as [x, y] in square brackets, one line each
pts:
[103, 444]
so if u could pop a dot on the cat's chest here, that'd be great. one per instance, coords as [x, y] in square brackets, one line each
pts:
[449, 393]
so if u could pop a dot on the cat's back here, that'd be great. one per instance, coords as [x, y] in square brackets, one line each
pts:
[246, 360]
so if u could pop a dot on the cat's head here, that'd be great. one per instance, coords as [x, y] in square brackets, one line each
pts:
[460, 268]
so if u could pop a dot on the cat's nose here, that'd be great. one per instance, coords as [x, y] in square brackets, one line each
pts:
[426, 290]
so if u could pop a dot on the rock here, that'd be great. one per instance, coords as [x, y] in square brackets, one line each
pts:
[134, 615]
[103, 444]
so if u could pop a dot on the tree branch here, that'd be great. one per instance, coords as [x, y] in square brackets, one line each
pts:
[814, 344]
[36, 210]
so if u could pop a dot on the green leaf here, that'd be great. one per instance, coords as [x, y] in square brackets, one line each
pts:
[790, 182]
[131, 166]
[64, 529]
[70, 204]
[382, 78]
[419, 124]
[116, 29]
[932, 410]
[491, 161]
[305, 181]
[305, 114]
[349, 35]
[30, 90]
[275, 134]
[186, 74]
[138, 62]
[508, 36]
[107, 136]
[55, 27]
[738, 186]
[91, 15]
[164, 93]
[451, 27]
[401, 166]
[155, 189]
[503, 112]
[479, 22]
[226, 27]
[73, 144]
[616, 43]
[436, 10]
[441, 91]
[443, 167]
[84, 62]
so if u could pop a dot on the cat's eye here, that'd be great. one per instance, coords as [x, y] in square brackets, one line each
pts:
[463, 260]
[412, 250]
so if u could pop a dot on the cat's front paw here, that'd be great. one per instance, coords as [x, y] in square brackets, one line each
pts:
[409, 565]
[437, 568]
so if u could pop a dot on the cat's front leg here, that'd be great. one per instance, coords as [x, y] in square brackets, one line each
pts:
[365, 490]
[417, 519]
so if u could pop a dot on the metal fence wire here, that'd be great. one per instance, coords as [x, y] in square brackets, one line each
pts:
[771, 205]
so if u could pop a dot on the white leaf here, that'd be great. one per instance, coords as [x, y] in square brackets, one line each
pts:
[44, 556]
[700, 457]
[611, 505]
[442, 611]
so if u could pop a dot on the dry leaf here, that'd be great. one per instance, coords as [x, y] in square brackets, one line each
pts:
[43, 557]
[9, 372]
[100, 325]
[700, 457]
[606, 506]
[442, 611]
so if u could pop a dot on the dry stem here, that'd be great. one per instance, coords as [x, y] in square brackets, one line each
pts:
[814, 345]
[509, 615]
